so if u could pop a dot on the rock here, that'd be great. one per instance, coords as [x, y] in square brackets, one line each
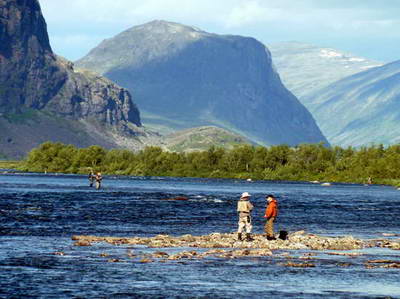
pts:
[188, 238]
[298, 240]
[130, 254]
[395, 265]
[309, 254]
[344, 264]
[113, 260]
[145, 261]
[387, 244]
[183, 255]
[383, 262]
[160, 254]
[104, 254]
[82, 243]
[299, 265]
[345, 253]
[298, 233]
[59, 253]
[40, 87]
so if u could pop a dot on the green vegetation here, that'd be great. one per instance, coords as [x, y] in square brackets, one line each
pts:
[10, 164]
[306, 162]
[201, 139]
[23, 117]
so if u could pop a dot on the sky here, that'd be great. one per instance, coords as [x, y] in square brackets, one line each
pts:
[367, 28]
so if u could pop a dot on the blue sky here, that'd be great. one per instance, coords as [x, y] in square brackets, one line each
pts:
[368, 28]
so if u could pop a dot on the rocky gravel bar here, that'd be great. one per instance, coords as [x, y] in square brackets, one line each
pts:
[296, 241]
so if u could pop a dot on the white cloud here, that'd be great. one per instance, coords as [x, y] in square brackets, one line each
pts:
[303, 20]
[247, 13]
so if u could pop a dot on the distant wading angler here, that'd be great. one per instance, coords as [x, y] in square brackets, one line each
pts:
[244, 208]
[91, 178]
[98, 178]
[271, 212]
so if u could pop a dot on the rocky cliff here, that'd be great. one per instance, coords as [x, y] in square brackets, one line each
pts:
[361, 109]
[183, 77]
[306, 68]
[33, 78]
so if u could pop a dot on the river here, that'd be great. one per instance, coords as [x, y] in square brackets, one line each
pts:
[39, 213]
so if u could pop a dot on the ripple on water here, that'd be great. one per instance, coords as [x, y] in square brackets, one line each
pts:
[40, 213]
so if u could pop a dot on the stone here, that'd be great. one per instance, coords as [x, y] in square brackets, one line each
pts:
[220, 241]
[113, 260]
[82, 243]
[160, 254]
[146, 260]
[395, 265]
[345, 253]
[383, 262]
[344, 264]
[299, 265]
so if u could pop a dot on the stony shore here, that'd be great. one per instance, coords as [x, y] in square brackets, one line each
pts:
[227, 246]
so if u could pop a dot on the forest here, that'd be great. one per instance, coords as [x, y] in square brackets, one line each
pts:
[305, 162]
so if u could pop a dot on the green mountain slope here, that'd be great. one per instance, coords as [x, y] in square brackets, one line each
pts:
[361, 109]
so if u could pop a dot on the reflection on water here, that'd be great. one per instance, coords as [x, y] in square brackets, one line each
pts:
[40, 213]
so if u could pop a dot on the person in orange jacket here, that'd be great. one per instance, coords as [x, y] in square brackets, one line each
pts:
[271, 212]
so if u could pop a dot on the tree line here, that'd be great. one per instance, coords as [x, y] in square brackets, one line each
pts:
[306, 162]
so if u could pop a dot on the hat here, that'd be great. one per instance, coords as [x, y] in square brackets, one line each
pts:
[245, 194]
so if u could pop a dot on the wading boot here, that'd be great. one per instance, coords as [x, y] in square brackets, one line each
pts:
[249, 238]
[240, 237]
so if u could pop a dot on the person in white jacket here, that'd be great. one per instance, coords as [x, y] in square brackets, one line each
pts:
[244, 208]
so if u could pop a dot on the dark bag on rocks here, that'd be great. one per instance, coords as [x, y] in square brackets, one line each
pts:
[283, 235]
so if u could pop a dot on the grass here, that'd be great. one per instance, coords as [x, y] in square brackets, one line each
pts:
[21, 118]
[4, 164]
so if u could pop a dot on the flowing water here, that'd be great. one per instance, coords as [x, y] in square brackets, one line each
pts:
[40, 213]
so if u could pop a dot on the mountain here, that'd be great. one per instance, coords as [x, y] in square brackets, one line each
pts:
[42, 96]
[183, 77]
[202, 138]
[361, 109]
[306, 68]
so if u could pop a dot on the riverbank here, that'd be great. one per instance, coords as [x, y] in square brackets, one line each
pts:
[11, 165]
[305, 162]
[21, 166]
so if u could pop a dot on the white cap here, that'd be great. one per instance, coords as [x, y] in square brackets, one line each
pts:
[245, 194]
